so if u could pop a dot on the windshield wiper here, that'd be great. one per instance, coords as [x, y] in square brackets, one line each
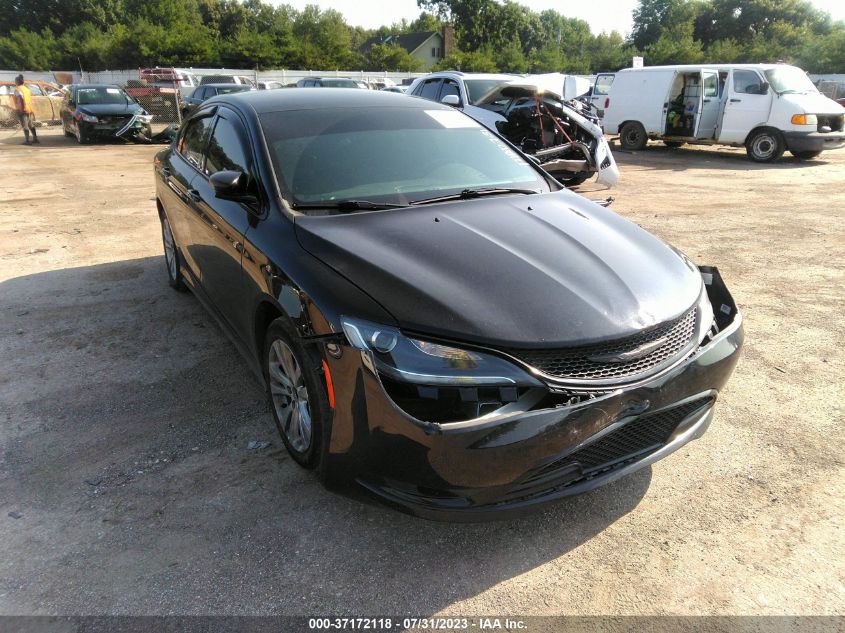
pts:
[346, 206]
[468, 194]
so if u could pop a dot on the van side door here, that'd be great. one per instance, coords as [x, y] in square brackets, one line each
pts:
[748, 106]
[711, 105]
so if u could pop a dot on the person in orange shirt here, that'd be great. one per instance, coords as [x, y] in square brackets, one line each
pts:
[26, 113]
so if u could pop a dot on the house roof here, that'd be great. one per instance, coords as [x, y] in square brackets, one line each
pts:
[409, 41]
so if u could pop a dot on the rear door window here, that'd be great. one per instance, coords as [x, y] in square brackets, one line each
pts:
[603, 84]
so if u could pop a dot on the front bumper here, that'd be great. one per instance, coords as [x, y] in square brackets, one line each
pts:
[115, 130]
[497, 466]
[813, 141]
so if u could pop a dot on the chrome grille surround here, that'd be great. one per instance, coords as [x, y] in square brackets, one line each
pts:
[580, 365]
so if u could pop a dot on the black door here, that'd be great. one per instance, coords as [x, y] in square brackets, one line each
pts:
[179, 173]
[220, 225]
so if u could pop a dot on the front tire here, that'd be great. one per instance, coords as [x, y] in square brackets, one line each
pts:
[81, 137]
[808, 155]
[765, 145]
[173, 262]
[298, 399]
[632, 136]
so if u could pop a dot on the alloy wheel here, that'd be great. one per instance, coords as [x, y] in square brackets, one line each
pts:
[169, 248]
[290, 396]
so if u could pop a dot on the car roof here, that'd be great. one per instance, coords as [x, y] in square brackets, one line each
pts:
[459, 75]
[96, 86]
[262, 101]
[226, 85]
[709, 67]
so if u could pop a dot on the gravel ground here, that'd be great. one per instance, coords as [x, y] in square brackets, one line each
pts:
[126, 484]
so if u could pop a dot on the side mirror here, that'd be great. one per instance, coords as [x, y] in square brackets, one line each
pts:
[451, 100]
[232, 185]
[764, 88]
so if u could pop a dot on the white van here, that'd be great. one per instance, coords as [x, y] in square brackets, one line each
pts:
[768, 108]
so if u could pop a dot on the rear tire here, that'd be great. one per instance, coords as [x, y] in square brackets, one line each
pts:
[808, 155]
[298, 399]
[632, 136]
[172, 260]
[765, 145]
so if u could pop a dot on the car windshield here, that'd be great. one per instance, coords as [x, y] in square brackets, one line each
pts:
[101, 95]
[786, 79]
[388, 155]
[224, 90]
[478, 88]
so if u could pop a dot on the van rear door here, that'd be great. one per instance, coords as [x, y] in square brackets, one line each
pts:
[600, 91]
[711, 105]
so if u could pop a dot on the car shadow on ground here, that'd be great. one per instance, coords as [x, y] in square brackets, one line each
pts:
[660, 157]
[126, 419]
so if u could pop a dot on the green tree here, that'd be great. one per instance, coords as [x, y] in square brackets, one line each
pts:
[608, 53]
[472, 61]
[25, 50]
[390, 57]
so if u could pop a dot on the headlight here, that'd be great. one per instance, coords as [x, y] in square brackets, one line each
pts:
[88, 118]
[426, 363]
[804, 119]
[144, 118]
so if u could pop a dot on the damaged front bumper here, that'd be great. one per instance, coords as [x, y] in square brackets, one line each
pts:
[497, 465]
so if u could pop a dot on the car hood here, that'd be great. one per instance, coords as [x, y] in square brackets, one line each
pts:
[543, 270]
[813, 103]
[109, 109]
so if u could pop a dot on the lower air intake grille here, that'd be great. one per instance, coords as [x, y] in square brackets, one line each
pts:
[635, 440]
[585, 363]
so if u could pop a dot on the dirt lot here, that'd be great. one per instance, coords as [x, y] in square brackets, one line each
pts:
[126, 484]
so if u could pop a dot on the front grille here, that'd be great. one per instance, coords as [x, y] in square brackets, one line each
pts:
[834, 121]
[116, 119]
[576, 363]
[635, 440]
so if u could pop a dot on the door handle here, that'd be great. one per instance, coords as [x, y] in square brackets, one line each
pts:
[736, 100]
[707, 101]
[195, 195]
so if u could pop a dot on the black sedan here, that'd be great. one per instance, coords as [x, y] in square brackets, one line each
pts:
[207, 91]
[105, 112]
[437, 320]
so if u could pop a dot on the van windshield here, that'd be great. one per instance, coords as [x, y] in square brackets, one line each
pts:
[789, 79]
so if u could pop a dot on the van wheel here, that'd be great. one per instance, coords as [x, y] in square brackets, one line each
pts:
[673, 143]
[632, 136]
[765, 145]
[805, 155]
